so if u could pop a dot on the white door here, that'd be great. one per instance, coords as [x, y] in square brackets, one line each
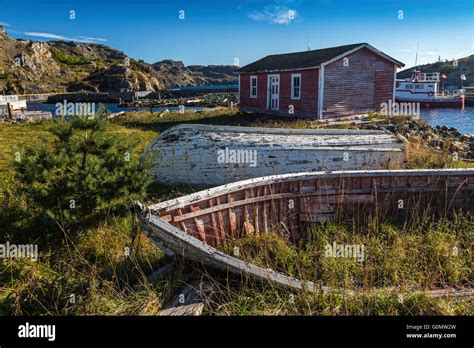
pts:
[274, 92]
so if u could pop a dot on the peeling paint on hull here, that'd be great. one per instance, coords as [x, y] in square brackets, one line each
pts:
[209, 155]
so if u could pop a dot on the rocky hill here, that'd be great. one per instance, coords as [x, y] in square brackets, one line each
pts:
[195, 75]
[28, 66]
[216, 74]
[452, 69]
[177, 73]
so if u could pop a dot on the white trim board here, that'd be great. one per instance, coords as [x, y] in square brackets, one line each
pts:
[252, 77]
[319, 112]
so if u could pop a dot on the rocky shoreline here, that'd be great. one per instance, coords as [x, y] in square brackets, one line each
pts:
[439, 138]
[206, 100]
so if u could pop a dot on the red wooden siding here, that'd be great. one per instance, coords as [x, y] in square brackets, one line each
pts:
[358, 88]
[253, 104]
[305, 106]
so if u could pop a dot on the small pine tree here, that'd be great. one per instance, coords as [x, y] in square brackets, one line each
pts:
[86, 173]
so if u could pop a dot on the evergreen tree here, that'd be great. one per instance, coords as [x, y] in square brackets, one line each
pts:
[86, 173]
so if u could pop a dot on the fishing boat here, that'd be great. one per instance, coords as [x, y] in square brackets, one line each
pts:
[194, 225]
[423, 88]
[206, 155]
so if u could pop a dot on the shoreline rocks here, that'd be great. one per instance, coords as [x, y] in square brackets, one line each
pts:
[439, 138]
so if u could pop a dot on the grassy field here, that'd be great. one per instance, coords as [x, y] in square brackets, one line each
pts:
[104, 271]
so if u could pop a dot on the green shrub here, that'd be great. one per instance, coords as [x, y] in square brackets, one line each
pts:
[66, 58]
[85, 174]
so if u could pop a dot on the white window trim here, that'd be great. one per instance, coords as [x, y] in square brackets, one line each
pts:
[256, 86]
[292, 86]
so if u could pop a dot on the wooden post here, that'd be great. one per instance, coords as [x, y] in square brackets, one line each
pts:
[10, 111]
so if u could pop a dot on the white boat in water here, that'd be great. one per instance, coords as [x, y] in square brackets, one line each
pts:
[423, 88]
[206, 155]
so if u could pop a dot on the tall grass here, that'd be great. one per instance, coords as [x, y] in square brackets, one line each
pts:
[401, 263]
[96, 272]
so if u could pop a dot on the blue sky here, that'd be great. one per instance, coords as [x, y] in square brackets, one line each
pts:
[218, 32]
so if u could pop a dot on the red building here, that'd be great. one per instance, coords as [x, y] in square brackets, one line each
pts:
[330, 82]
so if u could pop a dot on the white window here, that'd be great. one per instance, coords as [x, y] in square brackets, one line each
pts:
[295, 86]
[253, 86]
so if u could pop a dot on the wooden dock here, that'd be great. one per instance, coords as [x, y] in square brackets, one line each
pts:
[469, 96]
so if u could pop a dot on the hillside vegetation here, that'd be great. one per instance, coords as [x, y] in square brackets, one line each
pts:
[452, 68]
[28, 66]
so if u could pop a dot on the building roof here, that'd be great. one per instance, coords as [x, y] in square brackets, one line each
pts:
[307, 59]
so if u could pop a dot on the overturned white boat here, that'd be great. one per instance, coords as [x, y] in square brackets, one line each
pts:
[215, 155]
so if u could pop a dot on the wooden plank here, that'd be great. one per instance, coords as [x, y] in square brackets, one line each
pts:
[218, 234]
[232, 216]
[284, 178]
[265, 214]
[332, 196]
[349, 198]
[255, 207]
[189, 301]
[247, 225]
[194, 249]
[220, 219]
[199, 223]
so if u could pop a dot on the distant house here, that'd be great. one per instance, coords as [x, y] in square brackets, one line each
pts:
[325, 83]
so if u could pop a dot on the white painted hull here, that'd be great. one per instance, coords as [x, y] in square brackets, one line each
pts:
[196, 154]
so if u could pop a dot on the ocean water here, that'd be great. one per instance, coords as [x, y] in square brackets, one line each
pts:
[113, 107]
[462, 119]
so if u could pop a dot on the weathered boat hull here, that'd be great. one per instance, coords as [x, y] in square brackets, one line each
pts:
[174, 241]
[215, 155]
[193, 225]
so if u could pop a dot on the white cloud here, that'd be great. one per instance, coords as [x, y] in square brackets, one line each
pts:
[83, 39]
[432, 53]
[275, 15]
[93, 39]
[4, 24]
[47, 36]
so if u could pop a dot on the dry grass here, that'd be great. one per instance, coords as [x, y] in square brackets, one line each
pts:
[96, 270]
[421, 156]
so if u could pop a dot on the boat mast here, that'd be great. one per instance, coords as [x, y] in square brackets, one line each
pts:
[416, 57]
[414, 74]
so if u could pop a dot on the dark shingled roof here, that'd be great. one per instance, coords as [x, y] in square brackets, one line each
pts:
[299, 60]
